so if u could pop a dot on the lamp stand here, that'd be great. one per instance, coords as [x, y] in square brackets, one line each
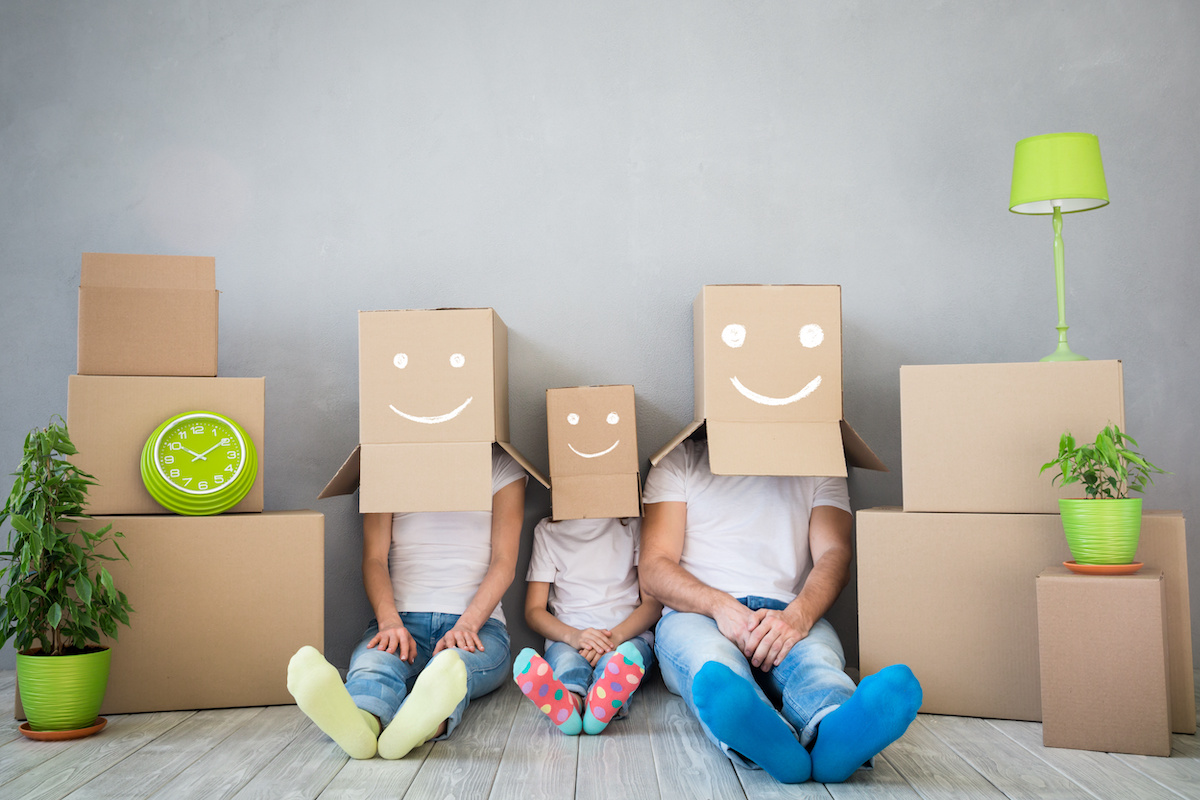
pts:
[1063, 352]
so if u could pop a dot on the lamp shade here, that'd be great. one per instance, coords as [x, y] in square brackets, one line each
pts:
[1057, 169]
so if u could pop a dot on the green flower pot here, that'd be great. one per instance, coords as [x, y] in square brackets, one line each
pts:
[1102, 531]
[62, 693]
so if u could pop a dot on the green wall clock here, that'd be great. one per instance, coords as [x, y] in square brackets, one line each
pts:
[199, 463]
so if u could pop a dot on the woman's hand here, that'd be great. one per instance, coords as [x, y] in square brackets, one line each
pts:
[460, 636]
[393, 637]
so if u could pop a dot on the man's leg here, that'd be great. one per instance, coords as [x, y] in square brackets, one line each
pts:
[713, 677]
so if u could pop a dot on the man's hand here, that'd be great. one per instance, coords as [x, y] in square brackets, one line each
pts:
[735, 622]
[394, 638]
[773, 636]
[459, 636]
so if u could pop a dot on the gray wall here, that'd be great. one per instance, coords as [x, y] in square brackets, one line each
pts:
[584, 169]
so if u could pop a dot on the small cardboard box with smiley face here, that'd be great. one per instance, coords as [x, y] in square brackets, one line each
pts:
[592, 436]
[768, 381]
[433, 398]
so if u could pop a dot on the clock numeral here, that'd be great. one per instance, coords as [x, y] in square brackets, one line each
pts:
[182, 434]
[218, 479]
[233, 454]
[202, 485]
[168, 459]
[174, 446]
[187, 480]
[174, 473]
[197, 429]
[229, 468]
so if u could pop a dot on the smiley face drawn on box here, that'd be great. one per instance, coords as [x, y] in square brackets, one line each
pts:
[770, 353]
[591, 430]
[432, 376]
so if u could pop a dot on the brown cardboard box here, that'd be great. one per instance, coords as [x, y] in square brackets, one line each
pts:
[147, 315]
[110, 417]
[975, 436]
[1103, 645]
[433, 397]
[954, 597]
[768, 382]
[592, 437]
[220, 605]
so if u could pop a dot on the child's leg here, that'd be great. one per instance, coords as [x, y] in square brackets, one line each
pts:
[321, 695]
[621, 674]
[536, 679]
[440, 687]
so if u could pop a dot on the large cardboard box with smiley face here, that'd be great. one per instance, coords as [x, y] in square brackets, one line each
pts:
[433, 398]
[592, 436]
[768, 381]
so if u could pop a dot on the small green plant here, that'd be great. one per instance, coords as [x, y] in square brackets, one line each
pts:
[1107, 468]
[57, 594]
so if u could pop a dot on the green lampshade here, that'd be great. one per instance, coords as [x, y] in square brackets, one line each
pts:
[1057, 169]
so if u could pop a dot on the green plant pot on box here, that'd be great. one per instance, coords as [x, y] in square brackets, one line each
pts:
[1104, 527]
[58, 594]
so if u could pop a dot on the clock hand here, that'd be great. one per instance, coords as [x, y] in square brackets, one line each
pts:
[193, 453]
[222, 443]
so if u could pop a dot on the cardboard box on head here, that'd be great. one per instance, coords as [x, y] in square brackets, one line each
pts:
[592, 436]
[433, 398]
[768, 382]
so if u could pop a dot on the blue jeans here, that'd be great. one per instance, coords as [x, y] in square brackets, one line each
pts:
[809, 683]
[574, 671]
[379, 681]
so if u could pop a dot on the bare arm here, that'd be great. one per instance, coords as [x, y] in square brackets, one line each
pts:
[393, 637]
[829, 539]
[662, 577]
[508, 515]
[537, 614]
[640, 620]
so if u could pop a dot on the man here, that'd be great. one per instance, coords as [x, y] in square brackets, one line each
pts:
[747, 567]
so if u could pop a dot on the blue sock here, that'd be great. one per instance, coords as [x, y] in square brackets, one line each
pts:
[739, 718]
[877, 714]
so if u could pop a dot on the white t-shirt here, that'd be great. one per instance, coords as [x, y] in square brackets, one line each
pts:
[745, 534]
[591, 566]
[438, 558]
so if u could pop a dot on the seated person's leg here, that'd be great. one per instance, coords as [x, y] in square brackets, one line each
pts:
[539, 679]
[713, 677]
[617, 676]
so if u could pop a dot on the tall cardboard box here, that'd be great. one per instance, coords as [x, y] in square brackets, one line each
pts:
[954, 597]
[1103, 653]
[110, 418]
[220, 605]
[591, 433]
[975, 436]
[147, 315]
[433, 398]
[768, 382]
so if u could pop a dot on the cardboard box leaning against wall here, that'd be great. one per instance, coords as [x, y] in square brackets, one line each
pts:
[953, 596]
[220, 605]
[147, 315]
[591, 433]
[768, 382]
[433, 398]
[1019, 411]
[110, 417]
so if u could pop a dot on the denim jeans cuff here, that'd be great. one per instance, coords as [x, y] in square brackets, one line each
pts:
[377, 706]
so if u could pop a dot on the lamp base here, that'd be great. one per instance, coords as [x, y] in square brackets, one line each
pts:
[1063, 352]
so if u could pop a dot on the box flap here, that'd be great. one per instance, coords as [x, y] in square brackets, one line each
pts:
[675, 440]
[858, 454]
[596, 496]
[525, 463]
[345, 481]
[776, 448]
[148, 272]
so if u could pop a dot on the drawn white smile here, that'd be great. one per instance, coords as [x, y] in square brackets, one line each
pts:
[763, 399]
[595, 455]
[434, 420]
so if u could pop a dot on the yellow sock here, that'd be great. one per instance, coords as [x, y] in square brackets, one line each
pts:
[321, 695]
[439, 689]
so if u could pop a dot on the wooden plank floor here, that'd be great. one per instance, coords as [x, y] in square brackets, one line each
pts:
[506, 750]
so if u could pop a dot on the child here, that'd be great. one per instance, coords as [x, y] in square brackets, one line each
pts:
[583, 596]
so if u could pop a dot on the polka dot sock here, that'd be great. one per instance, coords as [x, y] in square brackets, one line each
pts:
[743, 721]
[537, 682]
[439, 689]
[322, 696]
[877, 714]
[622, 675]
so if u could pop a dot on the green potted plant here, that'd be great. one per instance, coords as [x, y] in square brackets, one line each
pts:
[57, 592]
[1103, 528]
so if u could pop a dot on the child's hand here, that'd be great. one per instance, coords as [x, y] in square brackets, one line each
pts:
[591, 655]
[594, 639]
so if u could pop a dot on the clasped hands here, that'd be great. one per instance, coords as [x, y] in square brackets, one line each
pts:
[764, 636]
[592, 643]
[395, 638]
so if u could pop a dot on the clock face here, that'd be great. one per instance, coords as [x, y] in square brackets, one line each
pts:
[199, 463]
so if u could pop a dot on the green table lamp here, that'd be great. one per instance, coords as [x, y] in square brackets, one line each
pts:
[1058, 173]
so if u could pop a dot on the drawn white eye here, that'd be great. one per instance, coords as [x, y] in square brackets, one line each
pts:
[401, 360]
[613, 419]
[734, 335]
[811, 335]
[457, 360]
[573, 419]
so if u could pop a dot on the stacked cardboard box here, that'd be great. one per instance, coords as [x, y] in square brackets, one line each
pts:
[948, 584]
[220, 602]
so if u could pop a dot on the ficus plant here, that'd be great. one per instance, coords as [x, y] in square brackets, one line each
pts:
[57, 591]
[1107, 468]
